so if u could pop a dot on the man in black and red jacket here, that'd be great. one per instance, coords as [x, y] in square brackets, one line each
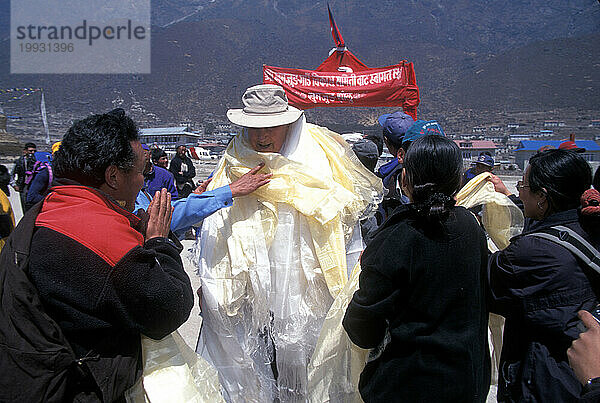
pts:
[104, 274]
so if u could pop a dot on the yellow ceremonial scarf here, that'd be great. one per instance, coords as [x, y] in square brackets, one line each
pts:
[332, 204]
[6, 209]
[501, 218]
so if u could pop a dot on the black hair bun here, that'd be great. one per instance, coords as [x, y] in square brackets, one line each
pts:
[436, 207]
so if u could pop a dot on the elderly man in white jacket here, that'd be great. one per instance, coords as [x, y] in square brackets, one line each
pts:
[272, 263]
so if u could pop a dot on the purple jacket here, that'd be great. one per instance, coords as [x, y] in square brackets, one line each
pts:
[159, 178]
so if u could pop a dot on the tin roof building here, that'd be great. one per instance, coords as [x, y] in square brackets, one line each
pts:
[527, 148]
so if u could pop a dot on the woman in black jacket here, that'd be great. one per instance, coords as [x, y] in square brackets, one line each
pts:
[421, 303]
[539, 285]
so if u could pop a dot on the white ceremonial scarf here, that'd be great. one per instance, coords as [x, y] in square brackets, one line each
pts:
[271, 264]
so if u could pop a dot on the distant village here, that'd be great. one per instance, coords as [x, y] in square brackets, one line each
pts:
[510, 144]
[514, 143]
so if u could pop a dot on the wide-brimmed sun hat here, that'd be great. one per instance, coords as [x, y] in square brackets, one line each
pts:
[265, 105]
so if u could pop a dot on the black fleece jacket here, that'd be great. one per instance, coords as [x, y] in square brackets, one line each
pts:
[102, 283]
[421, 305]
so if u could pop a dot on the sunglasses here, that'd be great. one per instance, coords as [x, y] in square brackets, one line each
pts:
[520, 186]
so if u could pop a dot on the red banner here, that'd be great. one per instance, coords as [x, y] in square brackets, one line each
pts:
[386, 86]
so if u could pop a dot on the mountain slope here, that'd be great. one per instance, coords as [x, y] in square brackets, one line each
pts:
[480, 55]
[489, 26]
[544, 75]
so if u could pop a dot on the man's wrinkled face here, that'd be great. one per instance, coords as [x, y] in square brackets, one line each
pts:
[267, 139]
[131, 181]
[181, 151]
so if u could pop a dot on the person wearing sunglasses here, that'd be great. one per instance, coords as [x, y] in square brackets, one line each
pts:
[539, 285]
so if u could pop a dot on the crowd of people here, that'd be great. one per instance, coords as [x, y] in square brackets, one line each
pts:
[290, 216]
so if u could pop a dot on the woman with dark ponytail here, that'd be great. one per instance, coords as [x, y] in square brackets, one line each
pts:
[432, 176]
[421, 302]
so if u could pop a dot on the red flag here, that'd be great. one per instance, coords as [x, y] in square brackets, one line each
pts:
[335, 32]
[193, 153]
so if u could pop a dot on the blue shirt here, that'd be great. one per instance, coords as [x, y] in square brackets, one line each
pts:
[192, 209]
[468, 175]
[159, 178]
[387, 172]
